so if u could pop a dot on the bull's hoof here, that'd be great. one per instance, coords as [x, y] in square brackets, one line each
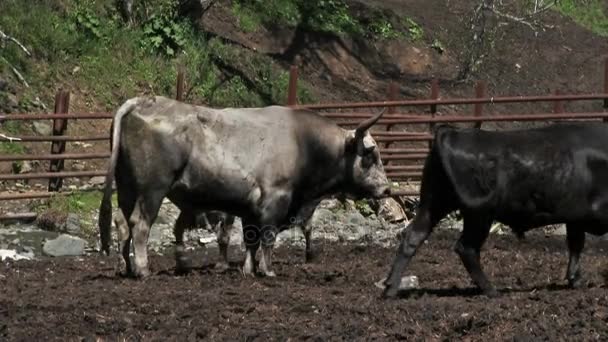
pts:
[491, 293]
[181, 270]
[142, 273]
[248, 271]
[269, 274]
[125, 274]
[310, 257]
[182, 266]
[390, 291]
[221, 267]
[576, 283]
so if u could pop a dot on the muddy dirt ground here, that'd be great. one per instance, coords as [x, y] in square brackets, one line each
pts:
[333, 298]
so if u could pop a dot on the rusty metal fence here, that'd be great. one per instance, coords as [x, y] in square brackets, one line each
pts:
[402, 151]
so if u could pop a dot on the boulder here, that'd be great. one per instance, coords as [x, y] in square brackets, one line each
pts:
[42, 128]
[64, 245]
[390, 211]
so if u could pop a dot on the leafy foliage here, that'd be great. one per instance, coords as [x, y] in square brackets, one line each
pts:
[591, 14]
[328, 16]
[164, 31]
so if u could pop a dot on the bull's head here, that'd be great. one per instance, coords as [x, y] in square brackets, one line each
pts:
[365, 172]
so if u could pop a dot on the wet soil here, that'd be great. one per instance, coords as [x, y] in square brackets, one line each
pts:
[333, 298]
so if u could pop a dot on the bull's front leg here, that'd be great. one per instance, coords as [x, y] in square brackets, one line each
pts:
[268, 238]
[304, 221]
[411, 239]
[576, 242]
[274, 210]
[224, 230]
[251, 237]
[185, 220]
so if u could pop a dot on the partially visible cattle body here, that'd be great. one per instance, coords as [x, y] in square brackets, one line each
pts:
[524, 179]
[265, 165]
[223, 224]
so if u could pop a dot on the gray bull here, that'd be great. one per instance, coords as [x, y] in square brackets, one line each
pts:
[524, 178]
[262, 164]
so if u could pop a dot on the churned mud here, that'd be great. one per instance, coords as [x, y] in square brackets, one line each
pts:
[333, 298]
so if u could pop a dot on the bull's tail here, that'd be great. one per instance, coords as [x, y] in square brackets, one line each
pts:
[105, 209]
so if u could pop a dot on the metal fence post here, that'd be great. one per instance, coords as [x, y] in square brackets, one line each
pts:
[606, 87]
[480, 92]
[393, 93]
[179, 87]
[62, 103]
[292, 89]
[558, 105]
[434, 96]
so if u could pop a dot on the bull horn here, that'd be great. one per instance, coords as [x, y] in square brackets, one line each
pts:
[365, 125]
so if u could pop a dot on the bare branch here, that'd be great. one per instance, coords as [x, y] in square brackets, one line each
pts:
[16, 72]
[527, 20]
[9, 138]
[4, 36]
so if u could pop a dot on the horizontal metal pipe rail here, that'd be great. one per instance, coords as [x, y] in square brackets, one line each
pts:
[64, 174]
[400, 175]
[35, 138]
[367, 115]
[421, 137]
[102, 115]
[404, 157]
[16, 157]
[403, 150]
[389, 168]
[461, 101]
[41, 194]
[490, 118]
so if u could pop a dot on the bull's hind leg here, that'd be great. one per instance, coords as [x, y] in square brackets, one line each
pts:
[124, 240]
[224, 229]
[126, 203]
[411, 239]
[576, 242]
[184, 221]
[144, 214]
[475, 232]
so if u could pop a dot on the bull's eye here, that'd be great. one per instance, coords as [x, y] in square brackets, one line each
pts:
[367, 160]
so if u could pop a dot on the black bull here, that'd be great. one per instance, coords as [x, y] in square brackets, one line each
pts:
[524, 179]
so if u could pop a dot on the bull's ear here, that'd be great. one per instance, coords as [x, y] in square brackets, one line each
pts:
[369, 144]
[351, 140]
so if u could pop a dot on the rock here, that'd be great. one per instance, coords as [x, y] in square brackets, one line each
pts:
[349, 205]
[14, 255]
[64, 245]
[165, 217]
[98, 180]
[3, 84]
[330, 204]
[355, 218]
[558, 229]
[42, 128]
[390, 210]
[78, 166]
[407, 283]
[26, 167]
[12, 101]
[72, 224]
